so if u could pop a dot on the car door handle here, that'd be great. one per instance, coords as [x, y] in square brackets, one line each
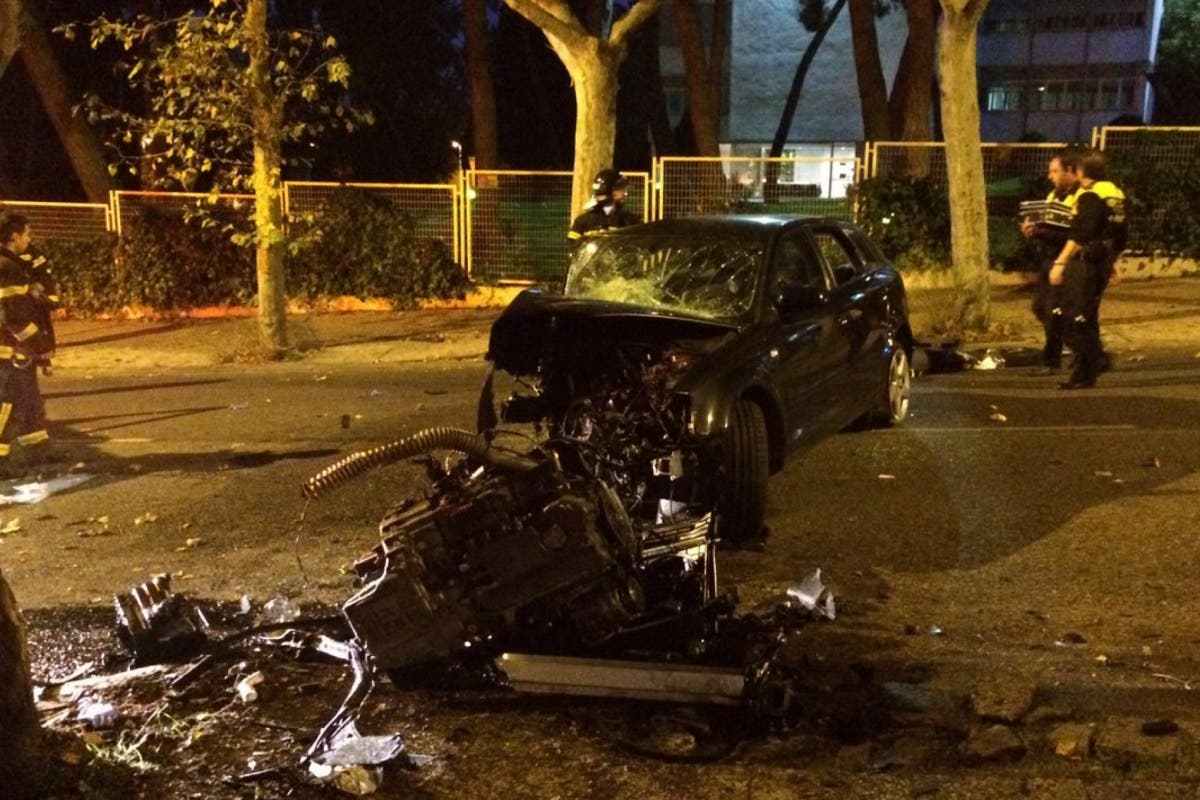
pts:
[852, 315]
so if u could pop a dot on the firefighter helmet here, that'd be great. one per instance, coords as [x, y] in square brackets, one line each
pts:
[606, 181]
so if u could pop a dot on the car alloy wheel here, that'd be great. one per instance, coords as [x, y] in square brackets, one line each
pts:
[899, 386]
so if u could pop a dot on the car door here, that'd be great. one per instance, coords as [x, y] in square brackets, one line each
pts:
[810, 351]
[854, 308]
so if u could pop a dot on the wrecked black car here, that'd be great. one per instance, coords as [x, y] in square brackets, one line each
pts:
[689, 358]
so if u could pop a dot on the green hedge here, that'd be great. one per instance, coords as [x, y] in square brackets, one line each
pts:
[358, 245]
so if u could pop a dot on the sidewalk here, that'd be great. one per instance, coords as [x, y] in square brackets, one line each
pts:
[1136, 315]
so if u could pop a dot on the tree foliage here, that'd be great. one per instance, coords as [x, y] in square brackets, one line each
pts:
[1176, 77]
[188, 124]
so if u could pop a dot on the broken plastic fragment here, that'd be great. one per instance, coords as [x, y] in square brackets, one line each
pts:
[812, 595]
[355, 780]
[99, 716]
[279, 610]
[37, 492]
[247, 687]
[991, 360]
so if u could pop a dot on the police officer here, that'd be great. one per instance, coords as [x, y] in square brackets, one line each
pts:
[22, 342]
[1064, 178]
[606, 209]
[1086, 264]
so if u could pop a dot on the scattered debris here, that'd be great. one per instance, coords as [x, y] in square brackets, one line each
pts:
[994, 744]
[11, 526]
[156, 624]
[247, 687]
[991, 360]
[886, 476]
[996, 416]
[1153, 463]
[29, 493]
[280, 610]
[811, 595]
[239, 406]
[1160, 727]
[1073, 740]
[1103, 473]
[191, 543]
[99, 716]
[146, 519]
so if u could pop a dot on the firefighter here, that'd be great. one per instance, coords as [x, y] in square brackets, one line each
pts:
[1064, 177]
[606, 209]
[22, 343]
[1086, 264]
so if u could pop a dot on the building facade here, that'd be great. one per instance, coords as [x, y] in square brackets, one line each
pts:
[1056, 70]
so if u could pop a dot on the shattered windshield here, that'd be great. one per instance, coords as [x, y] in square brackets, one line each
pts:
[704, 278]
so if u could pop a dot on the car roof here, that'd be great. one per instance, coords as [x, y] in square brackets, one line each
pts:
[747, 226]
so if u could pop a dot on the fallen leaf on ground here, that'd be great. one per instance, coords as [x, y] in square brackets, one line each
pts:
[12, 526]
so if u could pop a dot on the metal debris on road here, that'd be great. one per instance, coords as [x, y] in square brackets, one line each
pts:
[156, 624]
[812, 595]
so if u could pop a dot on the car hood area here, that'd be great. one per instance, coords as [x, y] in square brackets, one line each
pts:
[537, 323]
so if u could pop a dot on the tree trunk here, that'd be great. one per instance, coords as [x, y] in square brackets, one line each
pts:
[78, 139]
[20, 734]
[10, 32]
[911, 104]
[594, 74]
[479, 78]
[661, 135]
[268, 215]
[872, 88]
[957, 37]
[592, 62]
[704, 115]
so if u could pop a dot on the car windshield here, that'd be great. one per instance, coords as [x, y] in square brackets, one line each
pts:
[703, 278]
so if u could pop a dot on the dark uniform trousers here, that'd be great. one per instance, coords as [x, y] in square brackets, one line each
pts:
[1084, 282]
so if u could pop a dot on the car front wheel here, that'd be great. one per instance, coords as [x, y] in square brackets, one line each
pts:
[743, 501]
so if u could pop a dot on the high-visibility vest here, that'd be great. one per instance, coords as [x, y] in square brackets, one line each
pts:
[1114, 198]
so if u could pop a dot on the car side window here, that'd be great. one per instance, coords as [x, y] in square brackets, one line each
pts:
[797, 265]
[872, 256]
[843, 258]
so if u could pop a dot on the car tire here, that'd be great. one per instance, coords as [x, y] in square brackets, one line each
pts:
[896, 393]
[743, 501]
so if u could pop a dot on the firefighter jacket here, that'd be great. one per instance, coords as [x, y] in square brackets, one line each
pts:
[595, 219]
[26, 333]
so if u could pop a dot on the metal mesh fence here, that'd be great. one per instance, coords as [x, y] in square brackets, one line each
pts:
[64, 222]
[1157, 168]
[432, 208]
[130, 207]
[1011, 172]
[517, 222]
[734, 185]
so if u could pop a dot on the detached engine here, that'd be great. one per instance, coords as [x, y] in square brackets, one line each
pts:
[512, 551]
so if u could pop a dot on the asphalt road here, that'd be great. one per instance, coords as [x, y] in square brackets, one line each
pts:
[1008, 534]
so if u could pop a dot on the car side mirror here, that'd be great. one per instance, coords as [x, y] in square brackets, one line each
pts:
[844, 273]
[795, 297]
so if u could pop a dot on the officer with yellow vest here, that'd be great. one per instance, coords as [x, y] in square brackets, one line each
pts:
[1064, 177]
[1086, 263]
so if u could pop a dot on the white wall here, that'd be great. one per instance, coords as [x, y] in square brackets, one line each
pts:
[768, 41]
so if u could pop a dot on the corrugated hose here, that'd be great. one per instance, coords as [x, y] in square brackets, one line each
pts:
[440, 438]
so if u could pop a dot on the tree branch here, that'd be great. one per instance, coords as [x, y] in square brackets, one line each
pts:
[554, 17]
[623, 28]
